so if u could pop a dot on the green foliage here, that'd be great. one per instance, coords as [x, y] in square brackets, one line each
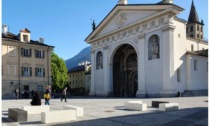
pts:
[58, 72]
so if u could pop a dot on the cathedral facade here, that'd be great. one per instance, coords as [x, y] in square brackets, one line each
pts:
[145, 50]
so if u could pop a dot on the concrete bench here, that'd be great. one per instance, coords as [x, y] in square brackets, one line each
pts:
[156, 103]
[136, 105]
[126, 103]
[79, 110]
[168, 106]
[17, 115]
[58, 116]
[36, 109]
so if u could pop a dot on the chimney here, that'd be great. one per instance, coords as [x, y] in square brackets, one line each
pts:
[4, 29]
[168, 1]
[123, 2]
[41, 40]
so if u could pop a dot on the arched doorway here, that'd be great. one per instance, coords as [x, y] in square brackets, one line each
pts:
[125, 75]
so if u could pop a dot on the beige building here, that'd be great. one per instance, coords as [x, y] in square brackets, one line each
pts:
[78, 78]
[26, 63]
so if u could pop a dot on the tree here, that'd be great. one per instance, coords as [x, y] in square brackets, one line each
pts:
[59, 72]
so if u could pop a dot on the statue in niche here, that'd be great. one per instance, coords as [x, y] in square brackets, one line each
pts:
[155, 48]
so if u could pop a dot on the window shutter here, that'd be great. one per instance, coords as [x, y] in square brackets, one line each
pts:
[35, 53]
[43, 72]
[35, 72]
[43, 54]
[22, 52]
[30, 71]
[22, 71]
[29, 52]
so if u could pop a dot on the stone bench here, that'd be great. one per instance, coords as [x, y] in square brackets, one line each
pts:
[36, 109]
[58, 116]
[136, 105]
[168, 106]
[17, 115]
[156, 103]
[79, 110]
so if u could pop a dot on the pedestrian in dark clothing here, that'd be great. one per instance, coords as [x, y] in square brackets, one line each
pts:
[32, 93]
[47, 97]
[64, 94]
[36, 99]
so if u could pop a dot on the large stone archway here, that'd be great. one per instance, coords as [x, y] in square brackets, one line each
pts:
[125, 72]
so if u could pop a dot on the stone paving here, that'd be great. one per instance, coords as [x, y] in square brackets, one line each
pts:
[193, 111]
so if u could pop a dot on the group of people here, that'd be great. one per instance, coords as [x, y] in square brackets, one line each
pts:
[36, 100]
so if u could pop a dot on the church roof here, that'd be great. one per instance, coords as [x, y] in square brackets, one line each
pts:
[193, 17]
[122, 7]
[199, 53]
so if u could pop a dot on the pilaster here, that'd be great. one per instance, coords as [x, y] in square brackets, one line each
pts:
[141, 67]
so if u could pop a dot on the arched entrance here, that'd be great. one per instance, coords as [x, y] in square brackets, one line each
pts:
[125, 75]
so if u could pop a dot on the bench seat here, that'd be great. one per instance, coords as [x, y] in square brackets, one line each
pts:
[79, 110]
[17, 115]
[168, 106]
[58, 116]
[136, 105]
[36, 109]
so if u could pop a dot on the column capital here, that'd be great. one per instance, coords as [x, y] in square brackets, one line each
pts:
[141, 36]
[168, 28]
[92, 51]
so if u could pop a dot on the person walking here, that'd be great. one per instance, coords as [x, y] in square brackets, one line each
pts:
[47, 97]
[64, 94]
[36, 99]
[17, 93]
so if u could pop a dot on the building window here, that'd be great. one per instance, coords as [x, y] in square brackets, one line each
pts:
[201, 36]
[99, 60]
[39, 53]
[25, 52]
[195, 65]
[40, 72]
[192, 35]
[12, 70]
[197, 28]
[187, 29]
[26, 71]
[191, 28]
[192, 48]
[25, 38]
[178, 75]
[153, 48]
[201, 29]
[11, 50]
[197, 35]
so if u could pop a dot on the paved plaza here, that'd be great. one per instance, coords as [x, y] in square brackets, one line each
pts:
[193, 111]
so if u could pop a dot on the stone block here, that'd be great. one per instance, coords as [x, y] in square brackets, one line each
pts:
[168, 106]
[36, 109]
[79, 110]
[126, 103]
[156, 103]
[17, 115]
[58, 116]
[136, 106]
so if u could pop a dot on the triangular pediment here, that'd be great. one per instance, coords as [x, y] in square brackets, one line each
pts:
[123, 16]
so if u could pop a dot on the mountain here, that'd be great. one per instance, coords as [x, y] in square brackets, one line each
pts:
[81, 56]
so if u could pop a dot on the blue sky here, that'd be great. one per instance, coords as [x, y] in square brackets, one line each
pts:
[66, 23]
